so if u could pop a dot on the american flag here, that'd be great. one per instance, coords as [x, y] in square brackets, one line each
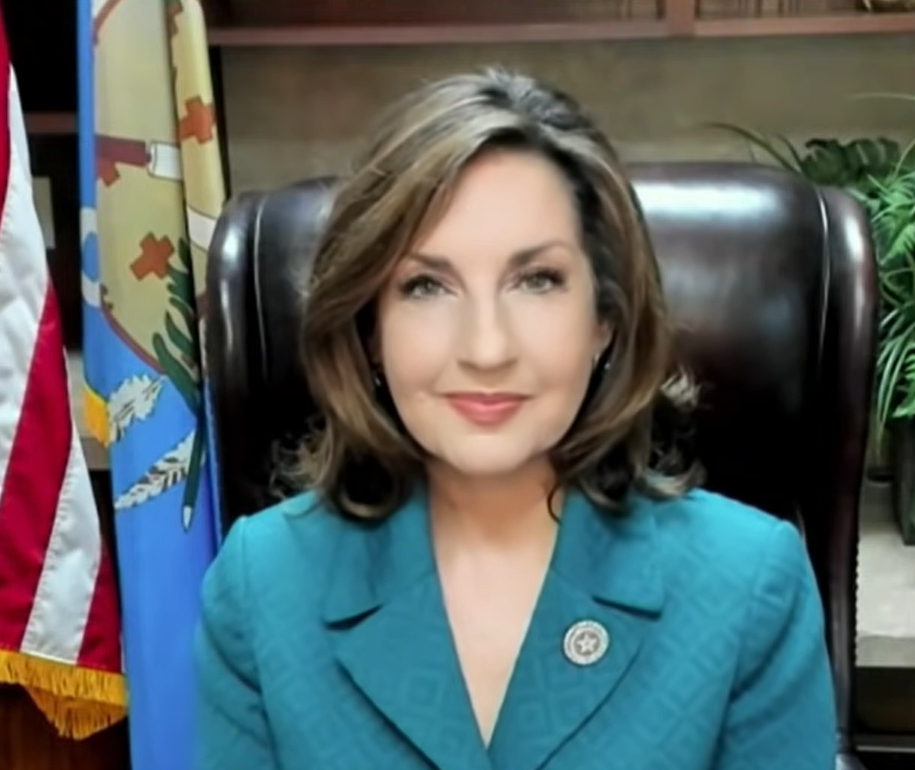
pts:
[59, 620]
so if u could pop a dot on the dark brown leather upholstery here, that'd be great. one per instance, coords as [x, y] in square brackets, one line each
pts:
[770, 280]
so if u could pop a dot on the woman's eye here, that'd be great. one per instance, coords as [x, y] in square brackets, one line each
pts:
[421, 287]
[542, 281]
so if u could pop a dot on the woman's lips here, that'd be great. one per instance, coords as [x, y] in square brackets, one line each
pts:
[486, 409]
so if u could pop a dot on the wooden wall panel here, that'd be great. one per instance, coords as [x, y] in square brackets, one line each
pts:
[28, 742]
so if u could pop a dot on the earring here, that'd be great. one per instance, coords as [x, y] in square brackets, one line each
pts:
[601, 362]
[377, 379]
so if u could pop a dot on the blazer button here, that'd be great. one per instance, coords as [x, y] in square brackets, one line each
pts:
[586, 642]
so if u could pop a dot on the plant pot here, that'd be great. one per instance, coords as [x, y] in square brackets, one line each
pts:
[903, 483]
[878, 461]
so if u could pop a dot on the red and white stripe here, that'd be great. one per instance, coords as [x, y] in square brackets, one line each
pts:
[57, 593]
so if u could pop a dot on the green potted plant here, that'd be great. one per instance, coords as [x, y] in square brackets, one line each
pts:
[880, 174]
[890, 204]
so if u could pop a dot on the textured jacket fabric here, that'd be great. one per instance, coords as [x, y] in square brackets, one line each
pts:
[324, 645]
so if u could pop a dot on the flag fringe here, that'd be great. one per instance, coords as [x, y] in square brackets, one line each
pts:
[78, 702]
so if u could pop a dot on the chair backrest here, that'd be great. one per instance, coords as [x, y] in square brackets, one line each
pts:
[771, 284]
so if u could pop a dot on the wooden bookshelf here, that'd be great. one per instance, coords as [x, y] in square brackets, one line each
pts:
[430, 34]
[418, 22]
[41, 124]
[840, 24]
[234, 23]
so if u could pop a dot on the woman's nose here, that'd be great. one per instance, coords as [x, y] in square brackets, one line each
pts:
[486, 335]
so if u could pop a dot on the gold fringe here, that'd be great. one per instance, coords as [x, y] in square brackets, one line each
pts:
[95, 415]
[78, 702]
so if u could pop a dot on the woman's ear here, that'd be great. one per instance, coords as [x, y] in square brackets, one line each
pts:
[603, 339]
[373, 350]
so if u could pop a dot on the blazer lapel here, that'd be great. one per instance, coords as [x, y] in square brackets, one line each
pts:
[387, 616]
[603, 571]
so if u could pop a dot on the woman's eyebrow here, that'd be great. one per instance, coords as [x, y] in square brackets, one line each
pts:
[519, 259]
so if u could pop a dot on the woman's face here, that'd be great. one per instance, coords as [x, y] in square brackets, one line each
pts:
[488, 331]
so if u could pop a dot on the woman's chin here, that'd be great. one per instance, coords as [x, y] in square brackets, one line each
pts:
[481, 461]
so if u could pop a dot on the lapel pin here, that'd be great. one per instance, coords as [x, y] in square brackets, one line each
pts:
[586, 642]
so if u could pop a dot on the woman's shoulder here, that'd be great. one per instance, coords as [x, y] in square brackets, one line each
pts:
[703, 533]
[289, 545]
[711, 514]
[298, 522]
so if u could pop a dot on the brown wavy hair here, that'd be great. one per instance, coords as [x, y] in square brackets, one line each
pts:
[631, 430]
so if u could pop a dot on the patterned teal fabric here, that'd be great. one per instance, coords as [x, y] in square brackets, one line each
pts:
[324, 645]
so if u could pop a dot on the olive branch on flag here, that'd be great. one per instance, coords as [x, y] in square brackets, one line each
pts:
[176, 352]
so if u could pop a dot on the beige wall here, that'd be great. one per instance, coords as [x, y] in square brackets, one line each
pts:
[295, 112]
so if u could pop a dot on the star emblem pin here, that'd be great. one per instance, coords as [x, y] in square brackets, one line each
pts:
[586, 642]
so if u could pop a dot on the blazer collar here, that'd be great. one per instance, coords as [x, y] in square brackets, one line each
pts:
[377, 560]
[391, 633]
[610, 556]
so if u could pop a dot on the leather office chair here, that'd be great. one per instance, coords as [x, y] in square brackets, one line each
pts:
[770, 280]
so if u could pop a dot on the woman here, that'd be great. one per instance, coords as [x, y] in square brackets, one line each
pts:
[502, 559]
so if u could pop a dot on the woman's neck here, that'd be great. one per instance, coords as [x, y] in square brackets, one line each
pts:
[494, 511]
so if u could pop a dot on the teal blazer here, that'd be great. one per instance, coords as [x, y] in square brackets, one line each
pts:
[324, 645]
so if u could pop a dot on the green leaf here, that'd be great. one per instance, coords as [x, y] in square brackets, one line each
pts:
[184, 255]
[180, 283]
[795, 156]
[764, 143]
[891, 208]
[184, 383]
[877, 153]
[181, 340]
[906, 158]
[187, 312]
